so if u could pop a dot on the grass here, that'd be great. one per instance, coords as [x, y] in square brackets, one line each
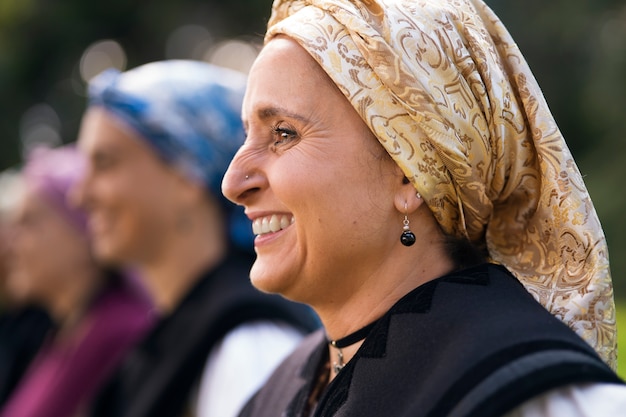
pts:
[621, 338]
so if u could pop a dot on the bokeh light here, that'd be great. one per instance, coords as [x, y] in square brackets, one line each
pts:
[10, 191]
[39, 125]
[234, 54]
[188, 42]
[99, 56]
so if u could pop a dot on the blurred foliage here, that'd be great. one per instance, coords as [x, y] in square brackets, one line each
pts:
[41, 43]
[577, 49]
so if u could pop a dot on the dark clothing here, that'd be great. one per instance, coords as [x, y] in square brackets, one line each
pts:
[159, 376]
[22, 333]
[472, 343]
[67, 371]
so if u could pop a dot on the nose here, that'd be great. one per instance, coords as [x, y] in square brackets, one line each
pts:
[243, 178]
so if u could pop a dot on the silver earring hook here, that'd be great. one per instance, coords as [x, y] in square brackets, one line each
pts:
[405, 222]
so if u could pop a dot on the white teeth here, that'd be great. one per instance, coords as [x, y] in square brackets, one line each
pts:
[274, 223]
[271, 224]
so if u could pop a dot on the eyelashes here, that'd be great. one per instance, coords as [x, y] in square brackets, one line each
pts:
[282, 135]
[277, 137]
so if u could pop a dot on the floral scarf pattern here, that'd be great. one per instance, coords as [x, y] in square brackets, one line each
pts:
[448, 94]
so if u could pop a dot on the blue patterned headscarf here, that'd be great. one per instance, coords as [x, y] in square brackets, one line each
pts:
[189, 114]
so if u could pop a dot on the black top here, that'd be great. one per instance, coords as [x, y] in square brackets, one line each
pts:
[158, 377]
[472, 343]
[22, 333]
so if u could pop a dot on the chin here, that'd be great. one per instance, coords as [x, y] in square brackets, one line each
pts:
[107, 252]
[271, 281]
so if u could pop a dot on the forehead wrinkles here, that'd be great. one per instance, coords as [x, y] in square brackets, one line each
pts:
[283, 59]
[284, 70]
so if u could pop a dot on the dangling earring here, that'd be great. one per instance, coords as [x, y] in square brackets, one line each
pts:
[407, 238]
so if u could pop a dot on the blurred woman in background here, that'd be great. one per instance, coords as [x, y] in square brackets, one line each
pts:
[97, 314]
[23, 325]
[159, 139]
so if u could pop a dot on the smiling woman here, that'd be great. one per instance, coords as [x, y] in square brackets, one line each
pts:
[368, 122]
[158, 139]
[350, 193]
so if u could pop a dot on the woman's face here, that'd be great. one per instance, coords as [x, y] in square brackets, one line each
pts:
[129, 194]
[45, 250]
[320, 190]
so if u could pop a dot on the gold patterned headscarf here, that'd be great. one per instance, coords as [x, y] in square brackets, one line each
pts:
[448, 94]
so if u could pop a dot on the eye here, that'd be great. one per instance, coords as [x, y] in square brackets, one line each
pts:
[102, 161]
[283, 135]
[28, 218]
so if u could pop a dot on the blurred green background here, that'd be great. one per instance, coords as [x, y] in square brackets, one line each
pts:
[48, 48]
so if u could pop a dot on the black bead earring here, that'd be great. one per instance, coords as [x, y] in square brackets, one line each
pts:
[407, 238]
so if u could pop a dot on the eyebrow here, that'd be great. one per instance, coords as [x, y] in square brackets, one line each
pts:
[105, 152]
[273, 111]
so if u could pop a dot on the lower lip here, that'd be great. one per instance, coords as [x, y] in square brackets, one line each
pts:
[262, 240]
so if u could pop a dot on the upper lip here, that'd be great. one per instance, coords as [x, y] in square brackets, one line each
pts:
[265, 213]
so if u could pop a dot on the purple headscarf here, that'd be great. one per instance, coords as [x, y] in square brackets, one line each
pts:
[51, 173]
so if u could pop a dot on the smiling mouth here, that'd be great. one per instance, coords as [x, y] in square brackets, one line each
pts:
[271, 224]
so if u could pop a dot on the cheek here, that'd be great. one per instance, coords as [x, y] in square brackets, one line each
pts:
[130, 207]
[114, 214]
[117, 190]
[38, 257]
[328, 200]
[324, 215]
[144, 216]
[341, 222]
[130, 198]
[306, 183]
[34, 247]
[132, 219]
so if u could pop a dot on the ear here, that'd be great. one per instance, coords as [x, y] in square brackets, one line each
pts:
[406, 199]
